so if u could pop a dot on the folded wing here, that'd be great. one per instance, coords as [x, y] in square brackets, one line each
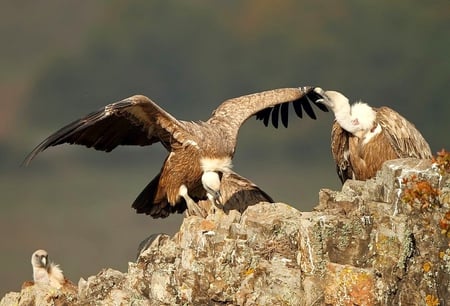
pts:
[404, 137]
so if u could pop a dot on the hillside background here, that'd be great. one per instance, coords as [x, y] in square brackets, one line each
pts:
[63, 59]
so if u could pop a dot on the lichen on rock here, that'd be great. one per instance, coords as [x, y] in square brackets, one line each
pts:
[363, 245]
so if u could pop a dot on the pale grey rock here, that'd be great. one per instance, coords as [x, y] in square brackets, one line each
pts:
[360, 246]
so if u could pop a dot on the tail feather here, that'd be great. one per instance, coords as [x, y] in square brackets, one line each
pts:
[146, 203]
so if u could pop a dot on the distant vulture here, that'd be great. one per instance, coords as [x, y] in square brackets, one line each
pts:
[200, 152]
[46, 272]
[363, 137]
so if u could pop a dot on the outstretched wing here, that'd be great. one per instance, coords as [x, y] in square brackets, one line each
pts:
[405, 139]
[266, 105]
[133, 121]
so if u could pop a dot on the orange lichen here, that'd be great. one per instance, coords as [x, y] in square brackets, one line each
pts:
[427, 267]
[419, 191]
[431, 300]
[442, 161]
[249, 271]
[444, 224]
[207, 225]
[348, 285]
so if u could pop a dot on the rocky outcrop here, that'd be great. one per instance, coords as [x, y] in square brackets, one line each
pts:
[380, 242]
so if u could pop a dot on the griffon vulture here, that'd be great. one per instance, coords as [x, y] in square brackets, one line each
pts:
[237, 193]
[199, 152]
[364, 137]
[46, 272]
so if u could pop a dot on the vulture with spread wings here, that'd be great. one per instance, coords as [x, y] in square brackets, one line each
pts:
[199, 152]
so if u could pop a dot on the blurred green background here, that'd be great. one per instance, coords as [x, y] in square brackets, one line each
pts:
[63, 59]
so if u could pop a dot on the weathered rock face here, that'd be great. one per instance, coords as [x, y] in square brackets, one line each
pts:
[379, 242]
[41, 294]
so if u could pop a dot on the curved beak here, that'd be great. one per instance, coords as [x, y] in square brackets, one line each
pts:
[217, 198]
[323, 97]
[44, 261]
[319, 91]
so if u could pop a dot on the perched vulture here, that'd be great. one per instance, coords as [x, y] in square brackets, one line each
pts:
[200, 152]
[46, 272]
[236, 192]
[364, 137]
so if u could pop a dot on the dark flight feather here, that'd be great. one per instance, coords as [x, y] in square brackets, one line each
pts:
[300, 105]
[275, 111]
[285, 114]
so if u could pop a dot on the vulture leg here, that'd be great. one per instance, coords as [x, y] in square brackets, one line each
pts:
[192, 208]
[213, 208]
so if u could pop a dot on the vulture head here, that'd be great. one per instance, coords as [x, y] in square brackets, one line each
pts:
[211, 182]
[333, 99]
[355, 119]
[39, 259]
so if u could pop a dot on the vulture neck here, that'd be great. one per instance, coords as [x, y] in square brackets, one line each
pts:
[356, 119]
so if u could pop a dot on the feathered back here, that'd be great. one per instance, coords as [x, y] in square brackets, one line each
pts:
[405, 139]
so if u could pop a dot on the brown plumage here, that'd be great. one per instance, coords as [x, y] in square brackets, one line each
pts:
[237, 193]
[200, 152]
[363, 138]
